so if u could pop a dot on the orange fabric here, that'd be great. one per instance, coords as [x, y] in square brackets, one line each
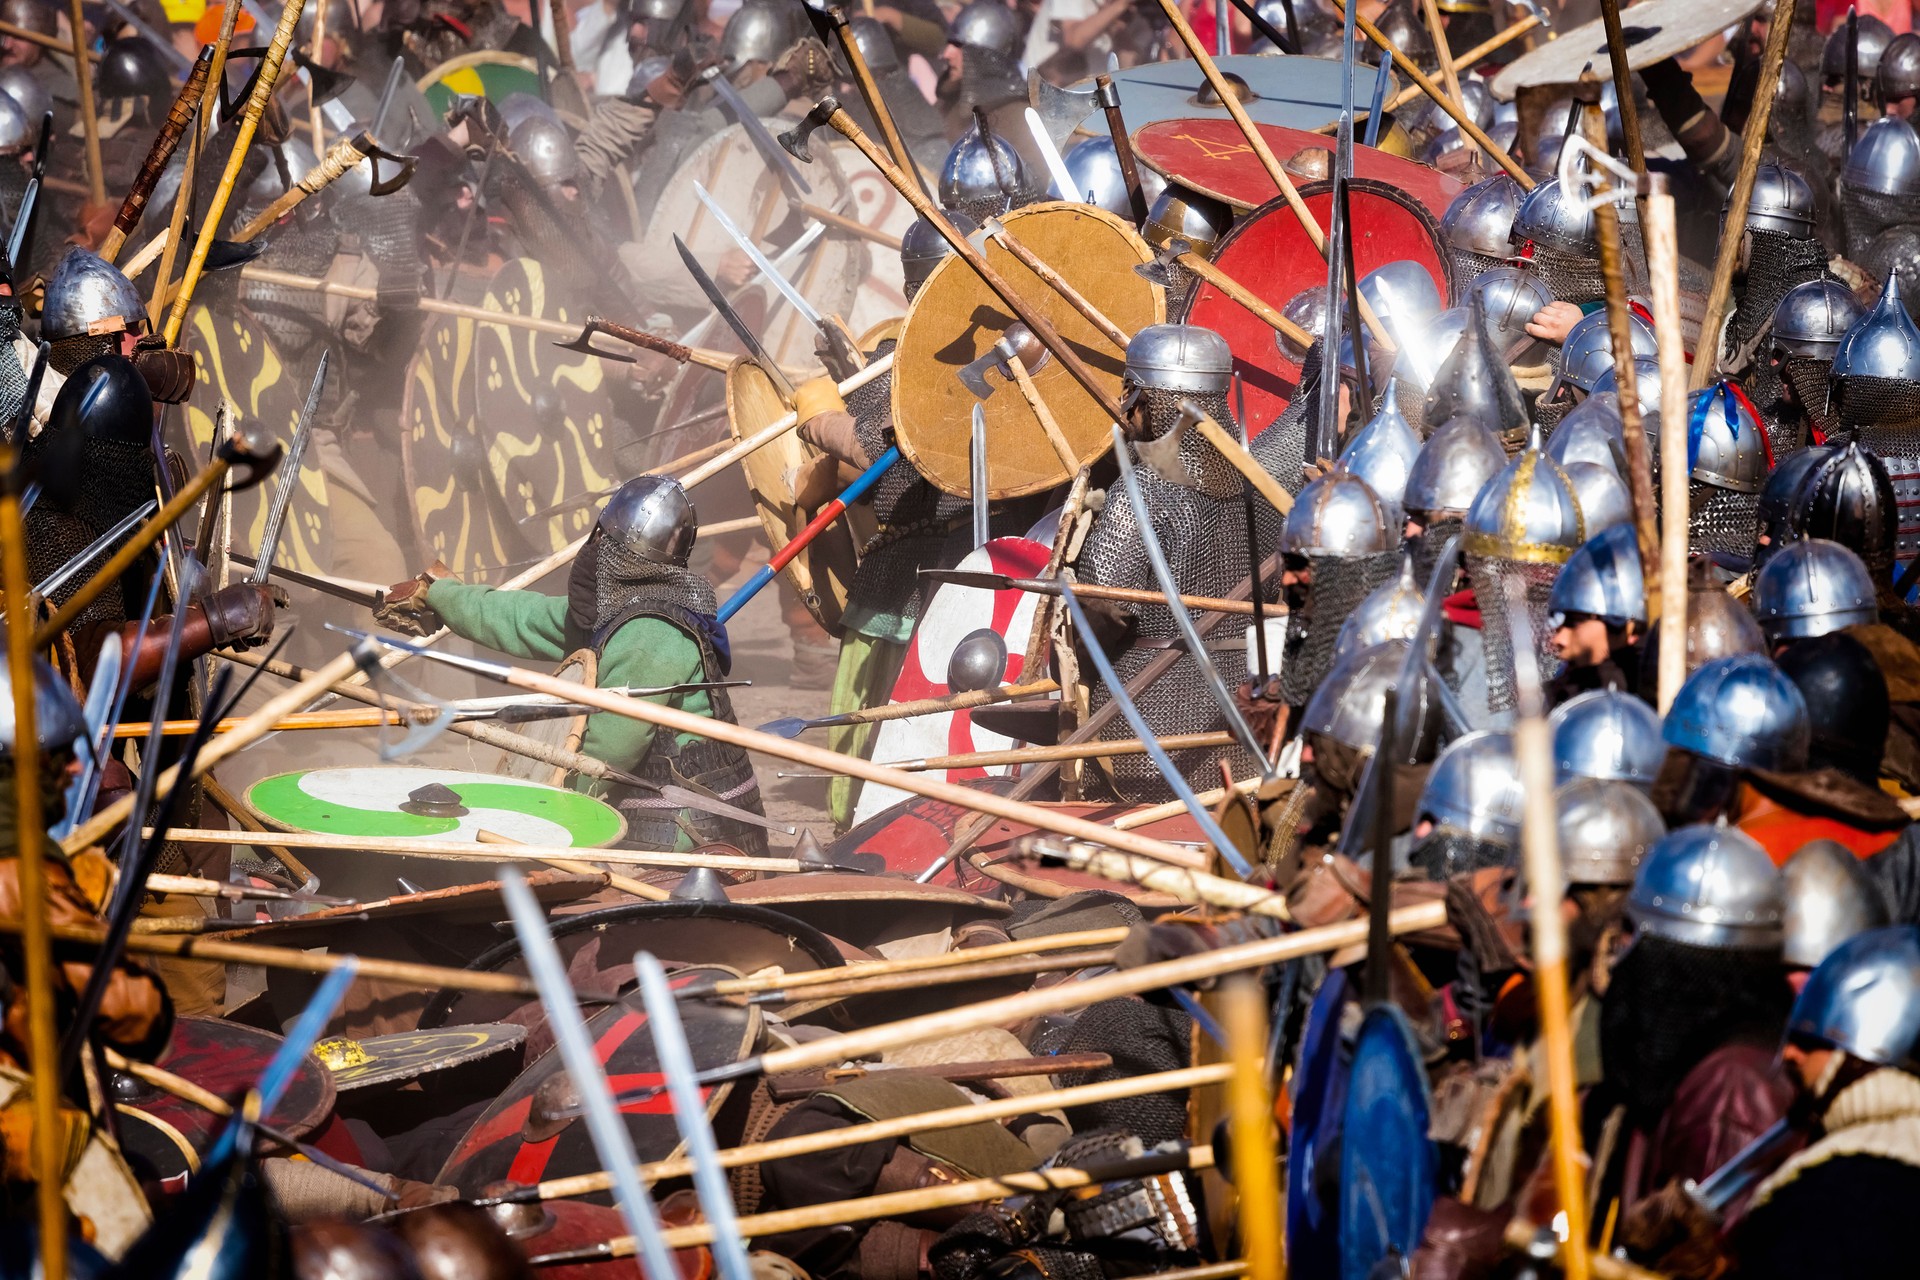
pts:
[1782, 832]
[207, 29]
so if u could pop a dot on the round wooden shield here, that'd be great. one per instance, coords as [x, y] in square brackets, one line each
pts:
[384, 800]
[822, 573]
[234, 362]
[952, 613]
[520, 1139]
[1212, 157]
[567, 732]
[1386, 1156]
[500, 424]
[487, 73]
[1652, 30]
[1298, 92]
[1269, 253]
[408, 1055]
[955, 319]
[226, 1059]
[828, 274]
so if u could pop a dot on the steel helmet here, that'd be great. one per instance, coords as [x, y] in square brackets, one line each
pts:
[17, 131]
[1551, 221]
[1782, 201]
[57, 719]
[1453, 466]
[1864, 999]
[31, 14]
[1885, 160]
[1307, 309]
[1094, 166]
[1419, 363]
[1511, 297]
[1607, 829]
[1812, 317]
[1882, 344]
[1592, 432]
[651, 517]
[88, 295]
[546, 149]
[1383, 452]
[989, 25]
[1474, 379]
[1811, 587]
[1829, 898]
[270, 184]
[1898, 75]
[1404, 299]
[1350, 704]
[1709, 887]
[1718, 626]
[1527, 513]
[1182, 358]
[1848, 497]
[1725, 440]
[758, 31]
[923, 248]
[1603, 579]
[1588, 351]
[1480, 219]
[1474, 789]
[1774, 513]
[1872, 36]
[1337, 514]
[1646, 389]
[1742, 712]
[875, 43]
[129, 68]
[1602, 494]
[1607, 734]
[971, 175]
[1391, 612]
[1181, 213]
[978, 662]
[25, 89]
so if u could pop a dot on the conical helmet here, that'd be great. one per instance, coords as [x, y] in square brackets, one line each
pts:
[1725, 441]
[86, 295]
[1882, 344]
[1094, 166]
[1552, 221]
[1403, 298]
[1847, 496]
[1383, 452]
[1812, 317]
[1527, 513]
[1602, 493]
[1588, 351]
[1338, 514]
[1510, 296]
[1593, 433]
[1474, 382]
[1478, 225]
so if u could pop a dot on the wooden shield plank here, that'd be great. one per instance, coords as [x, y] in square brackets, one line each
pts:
[1269, 253]
[956, 318]
[566, 732]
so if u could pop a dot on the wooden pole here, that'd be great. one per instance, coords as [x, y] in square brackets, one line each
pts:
[1174, 808]
[773, 431]
[318, 53]
[215, 212]
[1469, 127]
[1449, 74]
[1256, 1166]
[1663, 263]
[1049, 426]
[1195, 887]
[960, 1117]
[781, 981]
[83, 80]
[626, 884]
[1707, 356]
[1058, 283]
[1016, 966]
[1623, 85]
[1465, 62]
[1246, 297]
[55, 43]
[1064, 751]
[134, 206]
[463, 851]
[43, 1043]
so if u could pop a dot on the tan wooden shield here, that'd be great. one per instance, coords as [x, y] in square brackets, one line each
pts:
[955, 319]
[822, 572]
[581, 667]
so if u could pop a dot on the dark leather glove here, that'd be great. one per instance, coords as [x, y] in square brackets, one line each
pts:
[241, 616]
[168, 372]
[806, 70]
[406, 609]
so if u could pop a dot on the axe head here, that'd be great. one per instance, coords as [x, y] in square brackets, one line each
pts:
[1160, 270]
[326, 84]
[224, 255]
[824, 18]
[252, 455]
[584, 343]
[795, 140]
[1163, 455]
[1061, 110]
[379, 186]
[974, 376]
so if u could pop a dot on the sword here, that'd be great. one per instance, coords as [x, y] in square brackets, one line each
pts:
[1117, 690]
[692, 336]
[289, 475]
[92, 770]
[365, 594]
[61, 576]
[977, 474]
[1378, 107]
[1851, 94]
[23, 220]
[1746, 1167]
[846, 360]
[101, 697]
[1056, 164]
[770, 151]
[748, 340]
[1163, 573]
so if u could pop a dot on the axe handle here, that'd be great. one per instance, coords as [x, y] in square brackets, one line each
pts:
[1134, 595]
[1055, 437]
[135, 204]
[852, 226]
[1038, 324]
[674, 351]
[341, 158]
[870, 91]
[44, 41]
[957, 702]
[1058, 283]
[1245, 297]
[1437, 33]
[1122, 147]
[1469, 127]
[1063, 751]
[572, 866]
[1247, 465]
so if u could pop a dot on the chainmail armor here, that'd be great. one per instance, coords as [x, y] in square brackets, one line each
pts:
[1202, 462]
[389, 231]
[1721, 519]
[1340, 584]
[67, 354]
[1446, 853]
[1899, 449]
[1468, 265]
[295, 319]
[1427, 545]
[1813, 388]
[1878, 403]
[1868, 213]
[1775, 264]
[1489, 574]
[1568, 278]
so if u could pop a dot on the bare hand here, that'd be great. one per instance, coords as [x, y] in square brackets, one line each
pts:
[1551, 322]
[735, 269]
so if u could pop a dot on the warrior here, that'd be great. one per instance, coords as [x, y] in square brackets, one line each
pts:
[433, 31]
[1730, 460]
[1598, 610]
[1878, 183]
[1181, 213]
[1468, 815]
[1337, 548]
[1558, 236]
[1872, 40]
[1607, 734]
[1847, 497]
[1896, 82]
[919, 123]
[89, 309]
[1778, 252]
[1812, 587]
[1341, 732]
[1875, 381]
[1202, 527]
[1803, 336]
[1732, 716]
[650, 620]
[981, 66]
[983, 176]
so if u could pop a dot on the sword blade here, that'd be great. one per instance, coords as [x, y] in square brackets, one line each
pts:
[395, 74]
[977, 474]
[770, 151]
[693, 336]
[1056, 164]
[748, 339]
[17, 239]
[1163, 573]
[64, 574]
[361, 593]
[290, 473]
[794, 297]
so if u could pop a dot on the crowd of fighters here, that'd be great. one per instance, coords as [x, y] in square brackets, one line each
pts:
[1450, 528]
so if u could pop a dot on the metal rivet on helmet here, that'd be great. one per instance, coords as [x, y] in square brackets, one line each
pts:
[1646, 389]
[1782, 201]
[1454, 465]
[1829, 899]
[651, 517]
[1847, 497]
[1338, 514]
[1607, 828]
[1474, 380]
[1811, 587]
[1709, 887]
[1592, 432]
[1608, 734]
[1526, 513]
[88, 296]
[1812, 317]
[1774, 514]
[1864, 999]
[1742, 712]
[1480, 219]
[1183, 358]
[1603, 579]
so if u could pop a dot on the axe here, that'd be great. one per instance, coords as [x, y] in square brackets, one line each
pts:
[1011, 356]
[1163, 455]
[830, 24]
[341, 157]
[829, 112]
[674, 351]
[1178, 252]
[996, 231]
[162, 150]
[1107, 98]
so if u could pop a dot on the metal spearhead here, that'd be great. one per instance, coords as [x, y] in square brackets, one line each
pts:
[977, 474]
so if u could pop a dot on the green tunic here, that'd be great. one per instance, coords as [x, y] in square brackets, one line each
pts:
[644, 653]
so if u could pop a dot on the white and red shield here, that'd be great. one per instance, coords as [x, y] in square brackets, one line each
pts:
[952, 614]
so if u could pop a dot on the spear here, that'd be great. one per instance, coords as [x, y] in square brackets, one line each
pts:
[463, 851]
[1663, 258]
[181, 115]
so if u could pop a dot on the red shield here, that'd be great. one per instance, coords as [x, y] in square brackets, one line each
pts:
[1269, 253]
[1212, 157]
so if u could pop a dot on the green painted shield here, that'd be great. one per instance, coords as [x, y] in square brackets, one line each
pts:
[374, 801]
[490, 73]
